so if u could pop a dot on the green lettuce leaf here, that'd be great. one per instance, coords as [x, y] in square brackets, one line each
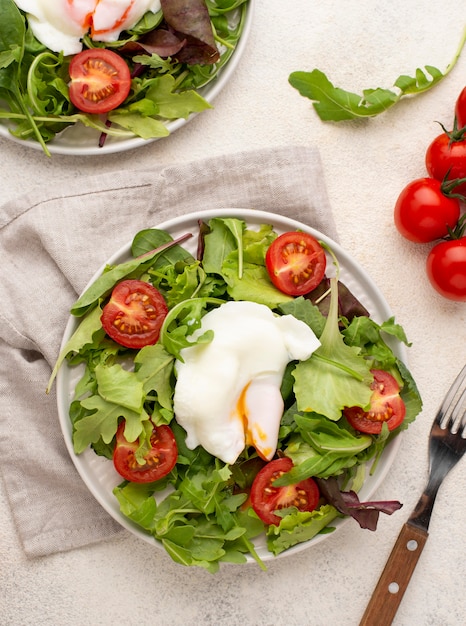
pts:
[336, 375]
[298, 527]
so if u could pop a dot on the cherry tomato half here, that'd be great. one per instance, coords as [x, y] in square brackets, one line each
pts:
[386, 406]
[100, 80]
[158, 462]
[423, 213]
[134, 314]
[446, 269]
[445, 156]
[296, 263]
[265, 498]
[460, 109]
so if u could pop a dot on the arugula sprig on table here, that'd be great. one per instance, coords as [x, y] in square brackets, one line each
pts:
[335, 104]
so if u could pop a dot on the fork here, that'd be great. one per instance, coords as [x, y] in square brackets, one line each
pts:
[447, 444]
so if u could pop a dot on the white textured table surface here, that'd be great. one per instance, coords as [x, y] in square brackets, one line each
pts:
[359, 44]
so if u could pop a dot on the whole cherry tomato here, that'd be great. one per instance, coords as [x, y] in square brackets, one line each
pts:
[446, 159]
[446, 268]
[424, 213]
[460, 110]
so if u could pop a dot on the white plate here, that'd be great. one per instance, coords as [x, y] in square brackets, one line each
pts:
[78, 140]
[98, 473]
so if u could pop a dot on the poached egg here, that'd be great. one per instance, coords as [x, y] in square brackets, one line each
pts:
[60, 24]
[227, 393]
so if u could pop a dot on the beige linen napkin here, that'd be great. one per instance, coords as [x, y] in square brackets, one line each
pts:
[52, 241]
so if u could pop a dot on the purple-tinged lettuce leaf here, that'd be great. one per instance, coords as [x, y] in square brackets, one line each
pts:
[348, 503]
[159, 41]
[348, 305]
[191, 19]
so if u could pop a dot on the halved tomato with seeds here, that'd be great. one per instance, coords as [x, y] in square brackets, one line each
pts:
[158, 462]
[386, 406]
[296, 263]
[265, 498]
[134, 314]
[100, 80]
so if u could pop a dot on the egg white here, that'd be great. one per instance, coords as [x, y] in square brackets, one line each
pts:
[61, 24]
[227, 392]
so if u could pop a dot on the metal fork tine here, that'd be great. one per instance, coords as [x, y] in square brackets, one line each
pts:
[447, 404]
[458, 414]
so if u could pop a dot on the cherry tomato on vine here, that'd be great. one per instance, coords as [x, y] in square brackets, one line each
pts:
[446, 269]
[444, 156]
[158, 462]
[296, 263]
[386, 406]
[100, 80]
[134, 314]
[265, 498]
[460, 109]
[423, 212]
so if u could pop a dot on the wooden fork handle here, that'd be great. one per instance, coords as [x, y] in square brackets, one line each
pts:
[395, 577]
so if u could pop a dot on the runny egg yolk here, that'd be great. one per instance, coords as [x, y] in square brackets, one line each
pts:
[227, 393]
[60, 24]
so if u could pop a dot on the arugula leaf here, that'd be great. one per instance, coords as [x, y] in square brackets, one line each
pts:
[103, 422]
[82, 336]
[334, 104]
[182, 321]
[154, 367]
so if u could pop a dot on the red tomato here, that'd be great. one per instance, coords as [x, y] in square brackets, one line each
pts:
[296, 263]
[100, 80]
[265, 498]
[423, 213]
[460, 110]
[158, 462]
[386, 406]
[446, 268]
[134, 314]
[447, 156]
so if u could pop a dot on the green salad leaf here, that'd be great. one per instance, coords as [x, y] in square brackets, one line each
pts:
[336, 375]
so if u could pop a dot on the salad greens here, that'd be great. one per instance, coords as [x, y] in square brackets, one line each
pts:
[334, 104]
[34, 99]
[198, 511]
